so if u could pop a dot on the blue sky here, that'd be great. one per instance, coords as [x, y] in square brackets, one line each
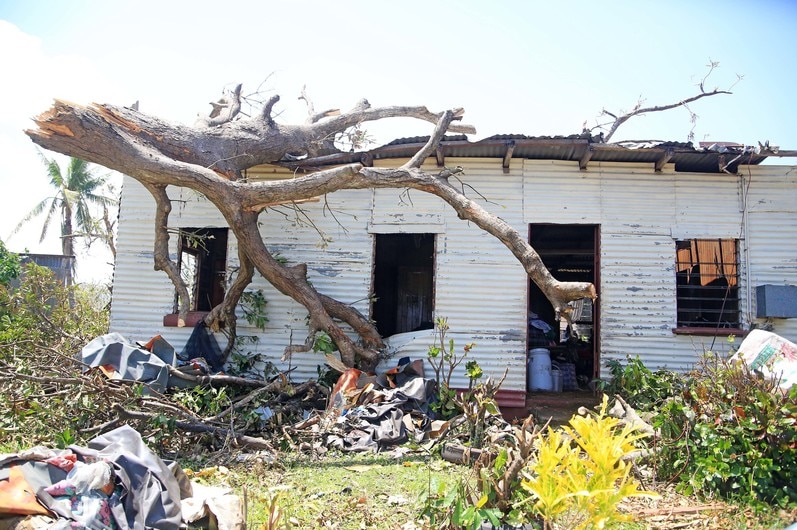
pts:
[537, 68]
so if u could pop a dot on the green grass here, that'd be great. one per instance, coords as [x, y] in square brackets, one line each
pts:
[351, 491]
[366, 491]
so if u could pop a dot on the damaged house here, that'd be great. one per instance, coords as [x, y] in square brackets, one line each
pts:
[685, 247]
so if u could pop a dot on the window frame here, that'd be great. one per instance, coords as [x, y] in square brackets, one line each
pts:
[707, 288]
[207, 282]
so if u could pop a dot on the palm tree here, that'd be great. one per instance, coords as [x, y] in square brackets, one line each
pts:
[76, 191]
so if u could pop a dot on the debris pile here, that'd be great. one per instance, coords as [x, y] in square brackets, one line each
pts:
[114, 482]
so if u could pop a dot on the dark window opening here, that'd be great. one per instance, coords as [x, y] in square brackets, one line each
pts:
[403, 283]
[203, 265]
[707, 283]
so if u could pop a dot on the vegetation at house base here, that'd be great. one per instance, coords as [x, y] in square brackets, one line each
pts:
[725, 431]
[731, 433]
[586, 473]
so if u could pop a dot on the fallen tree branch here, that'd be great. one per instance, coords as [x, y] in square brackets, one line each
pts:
[240, 439]
[216, 379]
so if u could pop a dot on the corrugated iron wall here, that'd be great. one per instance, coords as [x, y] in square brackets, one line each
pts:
[772, 233]
[479, 285]
[641, 213]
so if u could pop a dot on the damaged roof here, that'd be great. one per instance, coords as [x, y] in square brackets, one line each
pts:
[583, 148]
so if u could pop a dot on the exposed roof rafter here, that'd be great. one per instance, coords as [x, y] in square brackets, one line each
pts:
[510, 148]
[664, 158]
[582, 163]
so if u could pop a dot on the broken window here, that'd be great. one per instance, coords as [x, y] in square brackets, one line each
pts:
[203, 265]
[707, 283]
[403, 283]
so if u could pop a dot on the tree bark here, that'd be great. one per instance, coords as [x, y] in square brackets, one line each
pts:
[209, 159]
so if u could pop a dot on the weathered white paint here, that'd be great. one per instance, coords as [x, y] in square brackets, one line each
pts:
[479, 286]
[772, 233]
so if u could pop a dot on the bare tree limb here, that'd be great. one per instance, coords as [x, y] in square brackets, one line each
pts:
[619, 120]
[163, 262]
[223, 315]
[638, 110]
[240, 439]
[224, 110]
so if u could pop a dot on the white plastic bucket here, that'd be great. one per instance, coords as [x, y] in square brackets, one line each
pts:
[539, 376]
[557, 380]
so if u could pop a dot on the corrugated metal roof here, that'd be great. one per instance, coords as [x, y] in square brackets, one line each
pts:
[583, 148]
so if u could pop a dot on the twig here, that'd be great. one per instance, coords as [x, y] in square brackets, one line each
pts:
[240, 439]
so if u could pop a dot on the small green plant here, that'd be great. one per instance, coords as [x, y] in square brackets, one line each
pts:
[203, 399]
[640, 387]
[580, 475]
[477, 402]
[249, 364]
[444, 361]
[253, 306]
[323, 344]
[457, 507]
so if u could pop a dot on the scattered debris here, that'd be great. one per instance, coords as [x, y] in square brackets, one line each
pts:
[113, 482]
[771, 355]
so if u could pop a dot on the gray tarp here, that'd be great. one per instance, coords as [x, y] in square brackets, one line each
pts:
[152, 498]
[146, 494]
[129, 360]
[379, 425]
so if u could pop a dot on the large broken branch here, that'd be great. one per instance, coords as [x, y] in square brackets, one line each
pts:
[208, 160]
[227, 149]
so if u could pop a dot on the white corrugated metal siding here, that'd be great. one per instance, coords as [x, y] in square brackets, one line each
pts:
[479, 285]
[641, 213]
[772, 233]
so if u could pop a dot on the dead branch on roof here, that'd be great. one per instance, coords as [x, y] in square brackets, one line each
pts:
[609, 128]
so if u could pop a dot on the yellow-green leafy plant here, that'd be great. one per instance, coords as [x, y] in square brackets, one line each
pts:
[581, 473]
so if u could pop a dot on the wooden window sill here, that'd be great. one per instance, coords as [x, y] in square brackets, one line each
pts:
[192, 319]
[710, 332]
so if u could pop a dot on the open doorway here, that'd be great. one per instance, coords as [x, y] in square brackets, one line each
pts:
[571, 253]
[403, 283]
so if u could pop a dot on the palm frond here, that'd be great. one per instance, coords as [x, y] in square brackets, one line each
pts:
[53, 170]
[35, 212]
[47, 219]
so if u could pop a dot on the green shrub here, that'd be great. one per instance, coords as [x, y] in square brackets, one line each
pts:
[732, 434]
[642, 388]
[9, 265]
[43, 325]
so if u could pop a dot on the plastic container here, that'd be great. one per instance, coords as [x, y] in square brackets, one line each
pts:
[557, 380]
[539, 369]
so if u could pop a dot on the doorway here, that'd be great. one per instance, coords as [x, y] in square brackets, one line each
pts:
[403, 283]
[570, 252]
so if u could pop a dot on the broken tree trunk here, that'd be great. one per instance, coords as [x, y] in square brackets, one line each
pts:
[209, 159]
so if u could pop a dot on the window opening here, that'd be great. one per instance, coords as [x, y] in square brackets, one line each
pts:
[403, 283]
[707, 283]
[203, 266]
